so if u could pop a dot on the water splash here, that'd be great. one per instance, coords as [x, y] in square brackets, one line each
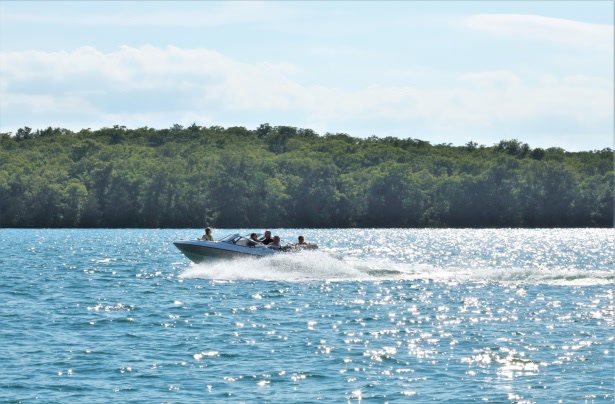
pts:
[304, 266]
[319, 265]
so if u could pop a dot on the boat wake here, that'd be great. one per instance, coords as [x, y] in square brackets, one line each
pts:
[319, 266]
[302, 266]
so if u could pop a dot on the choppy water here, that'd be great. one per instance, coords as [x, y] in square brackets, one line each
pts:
[404, 316]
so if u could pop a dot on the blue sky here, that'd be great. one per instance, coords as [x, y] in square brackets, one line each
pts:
[442, 71]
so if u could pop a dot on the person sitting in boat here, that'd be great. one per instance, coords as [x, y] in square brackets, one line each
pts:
[254, 237]
[207, 236]
[275, 243]
[301, 241]
[267, 239]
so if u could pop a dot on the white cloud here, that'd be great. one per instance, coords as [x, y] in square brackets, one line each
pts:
[45, 104]
[537, 27]
[128, 65]
[502, 79]
[148, 86]
[585, 99]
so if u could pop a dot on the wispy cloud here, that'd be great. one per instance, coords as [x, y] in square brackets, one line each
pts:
[545, 28]
[214, 14]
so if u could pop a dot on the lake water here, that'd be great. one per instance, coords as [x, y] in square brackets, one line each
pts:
[405, 316]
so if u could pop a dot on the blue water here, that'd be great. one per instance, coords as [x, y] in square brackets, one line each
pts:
[404, 316]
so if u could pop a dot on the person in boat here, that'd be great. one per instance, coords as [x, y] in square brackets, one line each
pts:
[254, 237]
[267, 239]
[275, 243]
[301, 241]
[207, 236]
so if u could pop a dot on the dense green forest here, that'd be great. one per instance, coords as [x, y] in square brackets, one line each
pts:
[288, 177]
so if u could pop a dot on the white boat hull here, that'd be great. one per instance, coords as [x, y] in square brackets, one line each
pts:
[199, 251]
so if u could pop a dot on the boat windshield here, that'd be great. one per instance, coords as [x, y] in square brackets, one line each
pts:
[234, 238]
[231, 238]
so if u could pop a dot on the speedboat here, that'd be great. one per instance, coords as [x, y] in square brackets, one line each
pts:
[234, 246]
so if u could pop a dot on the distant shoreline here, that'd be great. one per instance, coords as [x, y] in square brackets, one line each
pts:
[288, 177]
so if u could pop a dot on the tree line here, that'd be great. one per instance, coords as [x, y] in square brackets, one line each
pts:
[282, 176]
